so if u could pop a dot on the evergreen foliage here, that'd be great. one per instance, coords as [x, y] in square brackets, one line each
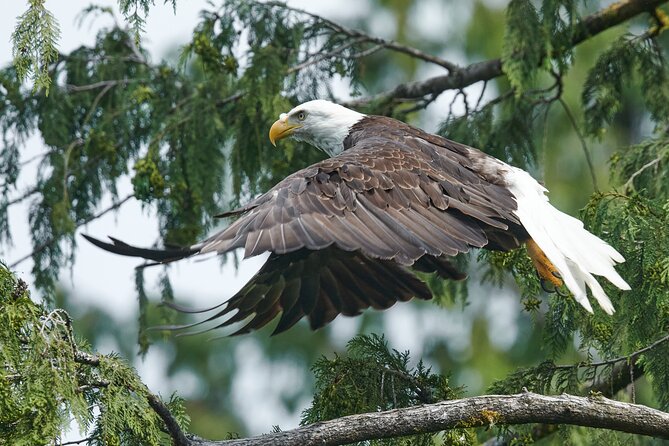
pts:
[48, 379]
[614, 70]
[35, 39]
[192, 140]
[371, 378]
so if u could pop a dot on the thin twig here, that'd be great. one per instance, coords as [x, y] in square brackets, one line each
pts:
[368, 52]
[389, 44]
[83, 440]
[648, 165]
[584, 145]
[478, 102]
[22, 197]
[43, 246]
[102, 84]
[629, 358]
[232, 98]
[319, 57]
[34, 158]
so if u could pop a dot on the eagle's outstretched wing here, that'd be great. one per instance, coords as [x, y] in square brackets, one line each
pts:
[344, 233]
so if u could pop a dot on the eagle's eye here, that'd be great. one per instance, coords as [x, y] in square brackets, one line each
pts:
[301, 116]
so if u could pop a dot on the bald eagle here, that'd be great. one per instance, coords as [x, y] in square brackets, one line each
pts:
[349, 232]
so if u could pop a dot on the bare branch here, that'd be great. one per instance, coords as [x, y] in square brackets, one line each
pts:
[360, 36]
[459, 78]
[102, 84]
[648, 165]
[631, 358]
[43, 246]
[621, 376]
[23, 196]
[584, 145]
[477, 411]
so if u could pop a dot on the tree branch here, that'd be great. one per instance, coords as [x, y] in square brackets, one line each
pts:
[27, 194]
[630, 182]
[102, 84]
[631, 358]
[171, 424]
[621, 376]
[459, 78]
[43, 246]
[361, 37]
[178, 436]
[477, 411]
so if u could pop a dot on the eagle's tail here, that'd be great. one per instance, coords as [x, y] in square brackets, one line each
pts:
[574, 252]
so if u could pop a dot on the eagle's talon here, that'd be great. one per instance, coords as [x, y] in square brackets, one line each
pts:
[547, 286]
[561, 293]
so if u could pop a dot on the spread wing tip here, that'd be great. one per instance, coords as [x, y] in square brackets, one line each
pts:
[157, 255]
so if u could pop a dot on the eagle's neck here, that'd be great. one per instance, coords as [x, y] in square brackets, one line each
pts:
[330, 131]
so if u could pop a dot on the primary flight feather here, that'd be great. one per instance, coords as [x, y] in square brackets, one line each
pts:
[347, 233]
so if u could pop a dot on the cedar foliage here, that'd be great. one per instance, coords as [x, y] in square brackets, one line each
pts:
[48, 379]
[193, 142]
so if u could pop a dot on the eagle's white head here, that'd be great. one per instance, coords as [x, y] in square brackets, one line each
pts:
[323, 124]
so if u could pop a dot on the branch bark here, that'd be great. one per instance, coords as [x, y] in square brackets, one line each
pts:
[459, 78]
[622, 375]
[477, 411]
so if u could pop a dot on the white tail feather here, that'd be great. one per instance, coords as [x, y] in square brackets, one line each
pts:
[576, 253]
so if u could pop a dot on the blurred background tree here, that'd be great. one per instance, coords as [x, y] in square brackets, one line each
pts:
[186, 137]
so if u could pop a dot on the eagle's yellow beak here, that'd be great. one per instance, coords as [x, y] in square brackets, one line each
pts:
[281, 129]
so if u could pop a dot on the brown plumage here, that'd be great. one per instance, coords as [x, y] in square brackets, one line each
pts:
[345, 233]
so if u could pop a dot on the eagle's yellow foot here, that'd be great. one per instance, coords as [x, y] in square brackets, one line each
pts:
[547, 272]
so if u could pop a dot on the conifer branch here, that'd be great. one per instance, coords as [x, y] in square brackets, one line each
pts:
[462, 77]
[361, 37]
[476, 411]
[171, 424]
[178, 436]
